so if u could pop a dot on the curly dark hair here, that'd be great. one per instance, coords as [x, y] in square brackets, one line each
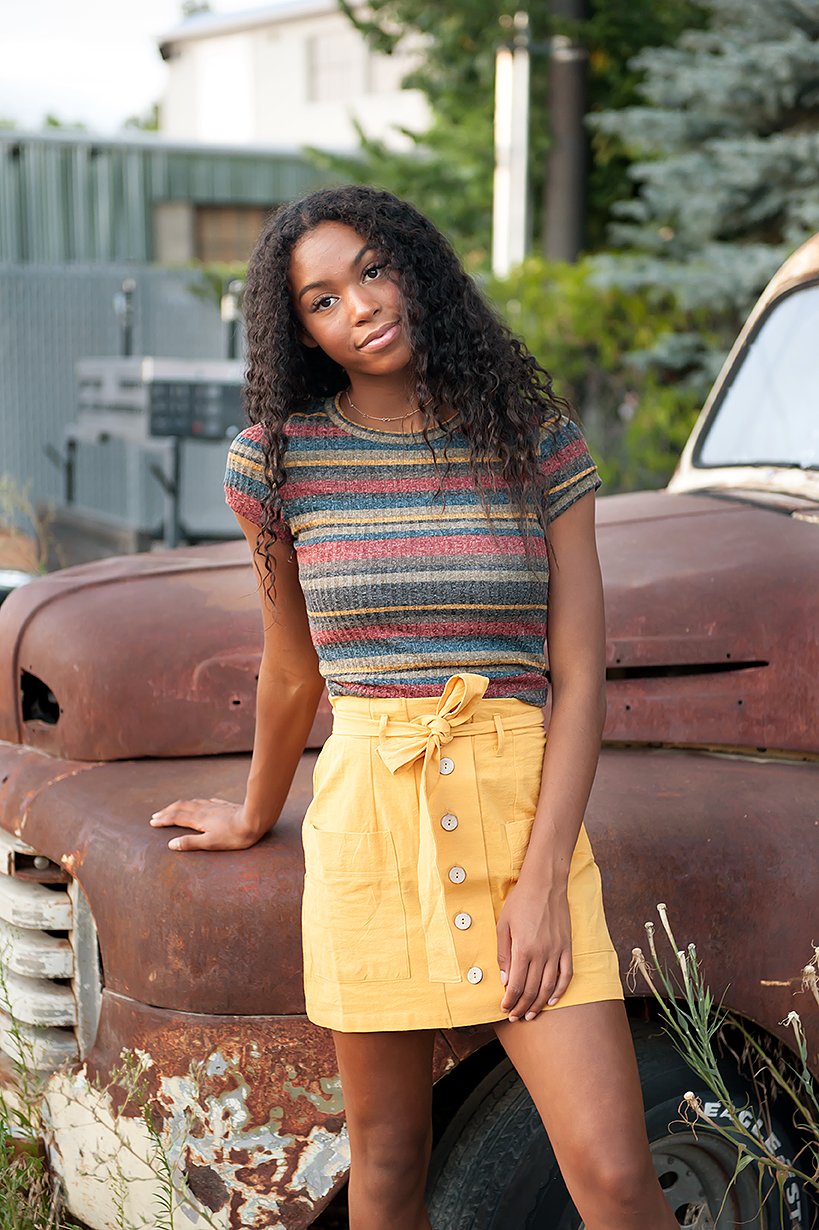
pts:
[464, 357]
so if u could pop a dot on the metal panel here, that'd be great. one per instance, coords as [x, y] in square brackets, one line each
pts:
[50, 318]
[38, 1001]
[87, 986]
[81, 198]
[50, 984]
[31, 905]
[36, 954]
[41, 1047]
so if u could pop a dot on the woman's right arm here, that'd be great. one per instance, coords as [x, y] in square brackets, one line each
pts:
[289, 689]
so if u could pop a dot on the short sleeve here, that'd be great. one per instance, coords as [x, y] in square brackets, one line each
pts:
[245, 484]
[568, 466]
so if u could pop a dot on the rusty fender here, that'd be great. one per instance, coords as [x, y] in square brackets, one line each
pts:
[249, 1111]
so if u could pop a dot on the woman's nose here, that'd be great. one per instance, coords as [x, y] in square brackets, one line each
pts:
[363, 304]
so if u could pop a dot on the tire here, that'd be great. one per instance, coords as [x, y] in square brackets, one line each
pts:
[494, 1169]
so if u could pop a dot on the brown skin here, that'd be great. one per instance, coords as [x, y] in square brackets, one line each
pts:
[578, 1063]
[287, 697]
[534, 930]
[343, 292]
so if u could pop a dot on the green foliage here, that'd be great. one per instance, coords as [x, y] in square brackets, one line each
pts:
[696, 1023]
[27, 1201]
[211, 280]
[149, 121]
[593, 342]
[726, 143]
[31, 1197]
[448, 170]
[53, 121]
[614, 33]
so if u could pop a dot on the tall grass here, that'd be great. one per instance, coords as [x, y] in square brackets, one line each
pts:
[30, 1193]
[697, 1025]
[29, 1198]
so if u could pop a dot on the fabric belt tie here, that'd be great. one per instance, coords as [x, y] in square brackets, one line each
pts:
[402, 743]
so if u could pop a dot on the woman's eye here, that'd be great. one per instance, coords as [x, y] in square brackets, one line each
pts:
[319, 304]
[372, 269]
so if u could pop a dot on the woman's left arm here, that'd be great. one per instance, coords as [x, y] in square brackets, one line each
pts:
[534, 929]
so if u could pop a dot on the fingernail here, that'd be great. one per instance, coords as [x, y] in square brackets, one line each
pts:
[174, 845]
[530, 1016]
[513, 1018]
[553, 1001]
[504, 977]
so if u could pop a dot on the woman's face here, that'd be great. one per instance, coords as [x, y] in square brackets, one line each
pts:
[348, 301]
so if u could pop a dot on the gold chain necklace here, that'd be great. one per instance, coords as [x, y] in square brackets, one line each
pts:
[375, 417]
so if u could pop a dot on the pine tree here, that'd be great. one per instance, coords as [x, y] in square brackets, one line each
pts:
[448, 173]
[727, 149]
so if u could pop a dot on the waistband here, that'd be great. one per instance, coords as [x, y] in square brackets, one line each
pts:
[414, 727]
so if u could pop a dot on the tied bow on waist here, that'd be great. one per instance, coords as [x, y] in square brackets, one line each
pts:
[403, 744]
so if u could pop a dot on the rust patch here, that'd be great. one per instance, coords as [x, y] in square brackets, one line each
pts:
[206, 1186]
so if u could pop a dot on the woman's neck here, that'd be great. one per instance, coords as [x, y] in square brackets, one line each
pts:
[391, 404]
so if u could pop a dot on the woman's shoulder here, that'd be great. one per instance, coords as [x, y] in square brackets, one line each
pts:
[566, 462]
[250, 442]
[559, 432]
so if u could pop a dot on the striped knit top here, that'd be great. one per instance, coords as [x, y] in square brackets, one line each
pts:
[402, 586]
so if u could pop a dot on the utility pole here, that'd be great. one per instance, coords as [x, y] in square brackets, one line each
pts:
[511, 184]
[567, 165]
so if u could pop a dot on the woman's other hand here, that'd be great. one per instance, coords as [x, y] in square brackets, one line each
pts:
[534, 950]
[217, 825]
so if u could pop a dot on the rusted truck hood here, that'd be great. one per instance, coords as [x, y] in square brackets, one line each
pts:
[199, 931]
[711, 620]
[145, 655]
[712, 612]
[707, 833]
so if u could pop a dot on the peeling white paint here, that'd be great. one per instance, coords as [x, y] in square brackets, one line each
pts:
[106, 1165]
[109, 1166]
[323, 1154]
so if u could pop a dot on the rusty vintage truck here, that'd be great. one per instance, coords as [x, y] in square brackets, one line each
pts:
[130, 682]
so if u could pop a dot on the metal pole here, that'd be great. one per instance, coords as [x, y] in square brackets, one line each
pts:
[231, 313]
[124, 312]
[173, 493]
[511, 182]
[566, 172]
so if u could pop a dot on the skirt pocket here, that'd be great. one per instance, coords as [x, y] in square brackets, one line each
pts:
[589, 929]
[353, 920]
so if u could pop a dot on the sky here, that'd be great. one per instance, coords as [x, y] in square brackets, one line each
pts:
[91, 60]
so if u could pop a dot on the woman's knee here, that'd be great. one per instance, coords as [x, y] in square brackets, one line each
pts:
[614, 1180]
[392, 1154]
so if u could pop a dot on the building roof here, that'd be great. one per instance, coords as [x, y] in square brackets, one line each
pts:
[209, 25]
[142, 140]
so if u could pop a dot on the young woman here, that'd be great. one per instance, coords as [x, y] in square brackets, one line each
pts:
[420, 509]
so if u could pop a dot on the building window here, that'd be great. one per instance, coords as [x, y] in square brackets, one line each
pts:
[335, 67]
[225, 233]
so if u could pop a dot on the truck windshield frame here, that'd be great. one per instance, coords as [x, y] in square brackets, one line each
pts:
[767, 411]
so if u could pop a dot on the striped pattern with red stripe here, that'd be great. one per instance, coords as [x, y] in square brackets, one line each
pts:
[404, 587]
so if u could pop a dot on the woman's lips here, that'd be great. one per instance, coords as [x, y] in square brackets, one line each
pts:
[383, 338]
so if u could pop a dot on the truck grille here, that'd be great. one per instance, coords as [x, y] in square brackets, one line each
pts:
[49, 960]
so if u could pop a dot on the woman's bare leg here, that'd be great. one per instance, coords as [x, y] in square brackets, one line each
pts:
[579, 1066]
[386, 1079]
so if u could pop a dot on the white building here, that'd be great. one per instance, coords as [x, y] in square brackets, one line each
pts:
[292, 73]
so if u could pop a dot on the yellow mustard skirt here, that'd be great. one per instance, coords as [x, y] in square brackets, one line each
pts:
[421, 814]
